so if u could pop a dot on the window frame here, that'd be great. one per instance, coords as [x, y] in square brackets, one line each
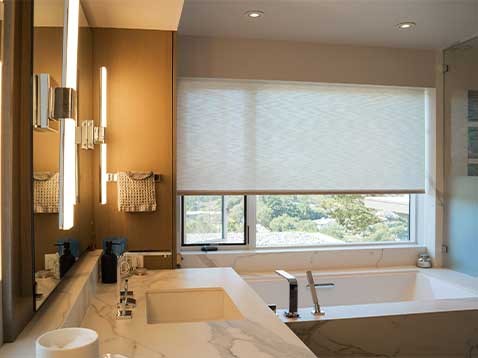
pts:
[250, 220]
[246, 228]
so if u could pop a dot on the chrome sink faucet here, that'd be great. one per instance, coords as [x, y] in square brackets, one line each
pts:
[126, 300]
[293, 294]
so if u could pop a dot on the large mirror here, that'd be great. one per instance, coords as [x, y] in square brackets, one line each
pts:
[57, 250]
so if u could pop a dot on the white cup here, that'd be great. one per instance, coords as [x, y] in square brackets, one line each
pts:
[68, 343]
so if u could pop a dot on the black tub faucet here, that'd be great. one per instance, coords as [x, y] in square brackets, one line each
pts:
[293, 293]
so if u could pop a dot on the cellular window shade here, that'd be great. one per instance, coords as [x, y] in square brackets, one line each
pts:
[248, 136]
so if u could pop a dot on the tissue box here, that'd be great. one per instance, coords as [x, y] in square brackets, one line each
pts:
[117, 249]
[74, 247]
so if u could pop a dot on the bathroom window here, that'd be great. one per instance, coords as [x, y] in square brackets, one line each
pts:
[266, 136]
[213, 220]
[297, 220]
[311, 220]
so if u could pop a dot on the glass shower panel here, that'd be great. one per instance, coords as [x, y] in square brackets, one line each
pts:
[461, 156]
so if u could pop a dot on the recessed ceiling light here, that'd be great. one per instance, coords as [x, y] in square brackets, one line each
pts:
[406, 25]
[254, 14]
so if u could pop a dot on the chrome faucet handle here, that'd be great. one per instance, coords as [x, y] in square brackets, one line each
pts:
[323, 285]
[123, 312]
[126, 299]
[317, 310]
[128, 302]
[125, 292]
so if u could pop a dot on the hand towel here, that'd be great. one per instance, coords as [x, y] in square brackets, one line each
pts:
[136, 192]
[45, 192]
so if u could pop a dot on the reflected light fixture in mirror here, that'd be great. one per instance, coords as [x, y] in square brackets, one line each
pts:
[103, 123]
[68, 125]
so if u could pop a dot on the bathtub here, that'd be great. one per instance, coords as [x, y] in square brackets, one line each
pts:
[369, 293]
[401, 312]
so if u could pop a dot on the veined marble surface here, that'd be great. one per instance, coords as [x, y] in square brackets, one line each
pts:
[433, 335]
[247, 261]
[260, 334]
[65, 307]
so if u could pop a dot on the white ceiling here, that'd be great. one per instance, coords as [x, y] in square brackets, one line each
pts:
[134, 14]
[440, 23]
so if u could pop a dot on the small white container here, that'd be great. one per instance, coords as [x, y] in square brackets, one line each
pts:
[424, 261]
[68, 343]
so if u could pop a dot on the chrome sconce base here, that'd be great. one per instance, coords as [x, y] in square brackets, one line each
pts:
[43, 99]
[60, 103]
[51, 104]
[64, 105]
[88, 135]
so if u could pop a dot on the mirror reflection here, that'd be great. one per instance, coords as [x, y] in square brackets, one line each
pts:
[57, 250]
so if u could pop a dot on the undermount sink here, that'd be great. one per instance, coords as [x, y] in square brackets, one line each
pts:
[190, 305]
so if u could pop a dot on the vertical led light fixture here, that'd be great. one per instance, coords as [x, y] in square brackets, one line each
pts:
[103, 124]
[67, 173]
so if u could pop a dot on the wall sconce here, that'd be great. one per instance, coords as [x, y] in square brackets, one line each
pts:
[65, 110]
[103, 123]
[88, 135]
[43, 96]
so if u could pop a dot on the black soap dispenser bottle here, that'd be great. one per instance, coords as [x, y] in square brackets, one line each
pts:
[109, 263]
[66, 259]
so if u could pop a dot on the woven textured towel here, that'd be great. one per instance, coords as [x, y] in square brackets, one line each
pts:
[136, 192]
[45, 192]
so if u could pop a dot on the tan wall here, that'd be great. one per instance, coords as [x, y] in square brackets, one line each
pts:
[140, 130]
[48, 59]
[295, 61]
[47, 50]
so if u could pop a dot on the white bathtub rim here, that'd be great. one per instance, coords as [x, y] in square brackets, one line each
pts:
[458, 279]
[353, 271]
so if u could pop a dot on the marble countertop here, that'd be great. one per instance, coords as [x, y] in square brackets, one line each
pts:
[45, 286]
[64, 308]
[259, 334]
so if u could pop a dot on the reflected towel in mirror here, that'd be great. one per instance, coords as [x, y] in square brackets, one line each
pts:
[45, 192]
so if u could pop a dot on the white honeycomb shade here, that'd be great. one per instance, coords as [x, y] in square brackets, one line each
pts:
[248, 136]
